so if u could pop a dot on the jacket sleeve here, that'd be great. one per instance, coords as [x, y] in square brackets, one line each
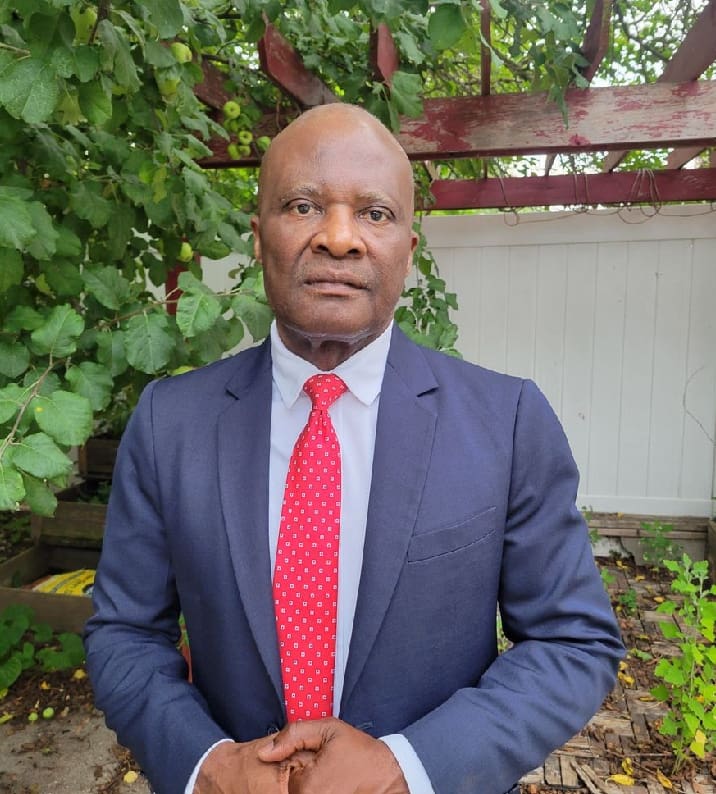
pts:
[565, 640]
[138, 675]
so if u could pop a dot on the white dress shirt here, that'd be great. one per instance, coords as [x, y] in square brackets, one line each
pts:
[354, 417]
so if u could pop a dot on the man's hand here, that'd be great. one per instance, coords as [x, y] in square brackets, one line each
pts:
[345, 761]
[235, 768]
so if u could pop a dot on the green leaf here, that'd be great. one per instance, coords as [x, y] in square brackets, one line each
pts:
[660, 692]
[197, 310]
[58, 335]
[95, 102]
[39, 496]
[86, 62]
[44, 242]
[254, 313]
[64, 278]
[11, 269]
[405, 92]
[38, 455]
[148, 342]
[158, 55]
[68, 243]
[116, 55]
[120, 231]
[11, 398]
[14, 359]
[669, 630]
[16, 226]
[92, 381]
[111, 352]
[12, 490]
[89, 204]
[29, 90]
[446, 26]
[70, 654]
[65, 416]
[165, 15]
[23, 318]
[108, 286]
[10, 669]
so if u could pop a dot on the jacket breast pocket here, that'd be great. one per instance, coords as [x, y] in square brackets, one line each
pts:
[448, 539]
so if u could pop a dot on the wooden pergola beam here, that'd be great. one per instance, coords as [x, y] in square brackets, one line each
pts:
[211, 90]
[596, 39]
[695, 54]
[485, 53]
[283, 66]
[623, 187]
[600, 119]
[384, 57]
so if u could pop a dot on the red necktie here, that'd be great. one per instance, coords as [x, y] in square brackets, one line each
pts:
[305, 582]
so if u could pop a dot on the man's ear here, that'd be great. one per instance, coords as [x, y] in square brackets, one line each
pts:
[413, 244]
[257, 237]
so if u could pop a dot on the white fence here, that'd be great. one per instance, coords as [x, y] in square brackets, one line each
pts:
[612, 314]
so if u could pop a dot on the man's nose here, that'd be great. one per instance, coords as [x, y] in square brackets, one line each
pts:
[339, 234]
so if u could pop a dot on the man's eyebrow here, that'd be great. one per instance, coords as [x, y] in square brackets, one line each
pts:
[298, 190]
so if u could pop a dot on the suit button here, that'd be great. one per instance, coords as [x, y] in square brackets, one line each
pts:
[272, 728]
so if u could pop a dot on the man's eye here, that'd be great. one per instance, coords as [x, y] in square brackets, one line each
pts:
[377, 215]
[302, 208]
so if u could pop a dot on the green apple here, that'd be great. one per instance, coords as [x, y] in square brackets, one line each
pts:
[232, 109]
[264, 142]
[181, 52]
[32, 716]
[186, 252]
[233, 151]
[244, 150]
[168, 86]
[245, 137]
[48, 713]
[85, 20]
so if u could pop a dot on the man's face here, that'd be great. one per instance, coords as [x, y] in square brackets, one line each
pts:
[334, 232]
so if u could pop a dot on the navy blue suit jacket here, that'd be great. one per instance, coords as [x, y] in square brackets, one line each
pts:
[472, 505]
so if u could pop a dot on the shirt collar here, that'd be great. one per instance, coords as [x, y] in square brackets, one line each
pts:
[362, 372]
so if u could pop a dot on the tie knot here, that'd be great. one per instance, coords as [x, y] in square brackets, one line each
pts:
[324, 390]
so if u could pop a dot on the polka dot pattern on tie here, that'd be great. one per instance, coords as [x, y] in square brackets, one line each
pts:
[305, 583]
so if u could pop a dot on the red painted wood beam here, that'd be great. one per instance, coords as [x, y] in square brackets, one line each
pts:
[211, 90]
[624, 187]
[485, 53]
[596, 39]
[682, 155]
[384, 57]
[283, 66]
[599, 119]
[695, 54]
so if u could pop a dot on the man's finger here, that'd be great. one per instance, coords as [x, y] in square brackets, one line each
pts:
[298, 736]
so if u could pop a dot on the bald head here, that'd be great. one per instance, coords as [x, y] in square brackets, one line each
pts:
[334, 121]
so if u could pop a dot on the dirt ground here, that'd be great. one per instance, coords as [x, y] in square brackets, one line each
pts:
[74, 753]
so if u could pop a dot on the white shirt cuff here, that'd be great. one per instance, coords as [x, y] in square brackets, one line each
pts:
[195, 774]
[412, 767]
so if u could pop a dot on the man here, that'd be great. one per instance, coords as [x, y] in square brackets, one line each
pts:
[458, 493]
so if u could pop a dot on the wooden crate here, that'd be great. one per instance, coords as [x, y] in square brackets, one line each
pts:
[62, 612]
[69, 541]
[690, 532]
[95, 459]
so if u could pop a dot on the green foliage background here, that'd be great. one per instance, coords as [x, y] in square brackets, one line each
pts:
[101, 193]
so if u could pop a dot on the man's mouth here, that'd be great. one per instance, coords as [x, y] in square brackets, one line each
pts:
[338, 284]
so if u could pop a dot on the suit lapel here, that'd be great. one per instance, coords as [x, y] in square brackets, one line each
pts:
[243, 448]
[404, 438]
